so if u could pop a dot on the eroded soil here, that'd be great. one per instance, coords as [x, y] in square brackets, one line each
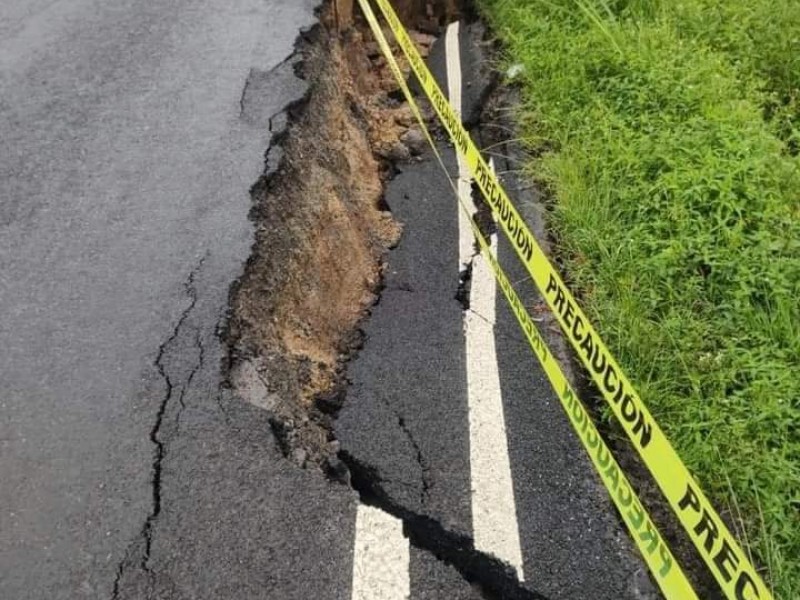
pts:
[322, 231]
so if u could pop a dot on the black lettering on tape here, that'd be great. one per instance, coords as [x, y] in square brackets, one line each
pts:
[689, 499]
[650, 537]
[528, 327]
[620, 393]
[601, 365]
[497, 199]
[625, 496]
[644, 430]
[636, 514]
[587, 345]
[724, 558]
[742, 584]
[708, 527]
[610, 387]
[560, 298]
[481, 175]
[526, 242]
[603, 460]
[593, 439]
[612, 474]
[568, 396]
[628, 409]
[666, 558]
[569, 312]
[503, 282]
[575, 334]
[599, 368]
[577, 413]
[552, 285]
[505, 213]
[522, 240]
[586, 422]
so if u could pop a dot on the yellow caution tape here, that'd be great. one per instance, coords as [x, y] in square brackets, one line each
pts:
[666, 571]
[719, 549]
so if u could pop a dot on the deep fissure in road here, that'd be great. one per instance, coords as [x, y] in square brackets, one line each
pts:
[492, 576]
[323, 231]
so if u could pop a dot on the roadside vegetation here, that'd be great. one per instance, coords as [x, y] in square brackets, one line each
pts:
[666, 132]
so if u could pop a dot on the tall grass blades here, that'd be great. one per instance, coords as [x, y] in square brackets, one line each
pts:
[665, 131]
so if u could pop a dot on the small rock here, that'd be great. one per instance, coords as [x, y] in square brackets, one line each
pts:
[415, 141]
[399, 152]
[299, 456]
[423, 39]
[396, 152]
[329, 402]
[404, 116]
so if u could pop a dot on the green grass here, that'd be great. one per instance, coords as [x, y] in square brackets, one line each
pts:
[664, 132]
[761, 39]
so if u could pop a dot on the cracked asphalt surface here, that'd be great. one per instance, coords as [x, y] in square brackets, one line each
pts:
[405, 427]
[405, 423]
[127, 149]
[130, 134]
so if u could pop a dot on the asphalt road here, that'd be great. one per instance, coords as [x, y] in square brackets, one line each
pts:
[406, 422]
[125, 165]
[130, 134]
[406, 415]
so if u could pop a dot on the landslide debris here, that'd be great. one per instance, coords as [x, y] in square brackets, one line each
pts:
[322, 232]
[322, 229]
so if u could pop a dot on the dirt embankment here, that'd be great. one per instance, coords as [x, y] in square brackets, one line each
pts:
[322, 229]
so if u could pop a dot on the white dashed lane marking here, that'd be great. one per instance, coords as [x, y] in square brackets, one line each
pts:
[381, 554]
[380, 558]
[494, 511]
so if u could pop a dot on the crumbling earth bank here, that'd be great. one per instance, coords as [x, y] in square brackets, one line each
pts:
[321, 232]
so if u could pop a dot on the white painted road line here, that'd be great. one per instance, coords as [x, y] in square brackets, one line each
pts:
[494, 512]
[466, 241]
[380, 558]
[381, 555]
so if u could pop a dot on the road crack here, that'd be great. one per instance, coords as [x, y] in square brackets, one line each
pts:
[175, 390]
[496, 579]
[155, 433]
[424, 466]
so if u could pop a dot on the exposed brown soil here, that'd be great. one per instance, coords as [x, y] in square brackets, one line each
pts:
[322, 231]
